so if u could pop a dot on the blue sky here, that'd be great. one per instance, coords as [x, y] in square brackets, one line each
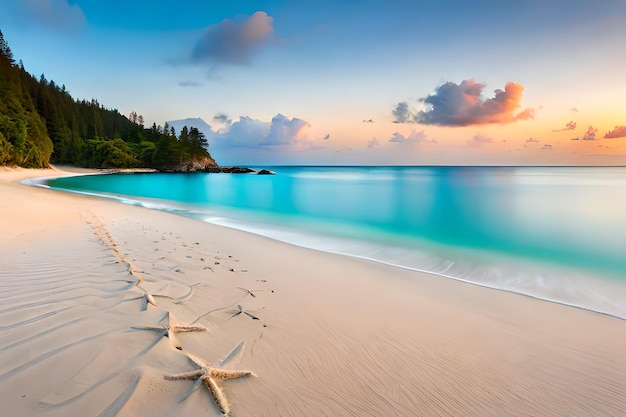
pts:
[349, 81]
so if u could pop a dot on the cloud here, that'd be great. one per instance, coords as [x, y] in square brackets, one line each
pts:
[462, 105]
[617, 132]
[252, 133]
[57, 14]
[223, 121]
[574, 110]
[479, 140]
[222, 118]
[413, 137]
[372, 143]
[589, 135]
[397, 138]
[189, 84]
[283, 131]
[231, 42]
[401, 113]
[568, 126]
[245, 133]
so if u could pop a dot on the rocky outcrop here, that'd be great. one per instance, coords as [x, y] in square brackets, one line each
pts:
[205, 164]
[209, 165]
[244, 170]
[266, 172]
[237, 170]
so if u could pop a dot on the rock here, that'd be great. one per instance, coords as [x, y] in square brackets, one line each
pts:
[205, 164]
[237, 170]
[209, 165]
[265, 172]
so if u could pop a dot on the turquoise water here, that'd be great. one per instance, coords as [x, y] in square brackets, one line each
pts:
[556, 233]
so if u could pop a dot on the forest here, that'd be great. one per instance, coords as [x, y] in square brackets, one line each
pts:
[41, 123]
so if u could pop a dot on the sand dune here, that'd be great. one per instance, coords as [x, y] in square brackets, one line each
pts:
[325, 334]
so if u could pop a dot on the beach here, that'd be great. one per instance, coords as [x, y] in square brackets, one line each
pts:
[102, 300]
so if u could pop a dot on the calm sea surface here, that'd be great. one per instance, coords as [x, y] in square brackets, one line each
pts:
[556, 233]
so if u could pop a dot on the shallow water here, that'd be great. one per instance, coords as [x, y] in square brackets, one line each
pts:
[556, 233]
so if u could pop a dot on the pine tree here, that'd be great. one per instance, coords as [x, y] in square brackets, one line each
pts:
[198, 142]
[5, 51]
[40, 120]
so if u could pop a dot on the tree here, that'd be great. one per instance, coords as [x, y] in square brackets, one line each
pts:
[166, 154]
[5, 51]
[40, 121]
[184, 143]
[5, 150]
[198, 142]
[145, 150]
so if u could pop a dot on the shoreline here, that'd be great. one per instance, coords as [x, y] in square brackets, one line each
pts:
[515, 265]
[333, 335]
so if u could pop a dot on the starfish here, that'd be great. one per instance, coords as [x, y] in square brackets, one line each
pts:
[170, 330]
[208, 374]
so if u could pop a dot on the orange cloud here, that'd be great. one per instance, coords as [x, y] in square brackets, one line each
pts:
[590, 134]
[462, 105]
[618, 132]
[569, 126]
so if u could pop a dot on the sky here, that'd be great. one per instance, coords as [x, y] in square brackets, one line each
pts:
[357, 82]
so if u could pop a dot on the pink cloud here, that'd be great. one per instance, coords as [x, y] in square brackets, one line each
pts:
[617, 132]
[479, 140]
[463, 105]
[568, 126]
[590, 134]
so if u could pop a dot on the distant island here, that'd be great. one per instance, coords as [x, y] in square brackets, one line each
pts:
[41, 123]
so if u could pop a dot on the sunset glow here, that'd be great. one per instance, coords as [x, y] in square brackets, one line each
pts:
[344, 82]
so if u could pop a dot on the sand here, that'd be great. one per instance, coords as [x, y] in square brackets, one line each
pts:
[324, 334]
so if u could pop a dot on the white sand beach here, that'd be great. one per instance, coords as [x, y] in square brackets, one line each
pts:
[324, 334]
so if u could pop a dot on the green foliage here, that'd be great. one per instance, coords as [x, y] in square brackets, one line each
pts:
[109, 154]
[24, 140]
[167, 154]
[5, 150]
[145, 151]
[40, 123]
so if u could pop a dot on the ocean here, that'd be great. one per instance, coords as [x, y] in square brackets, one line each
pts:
[554, 233]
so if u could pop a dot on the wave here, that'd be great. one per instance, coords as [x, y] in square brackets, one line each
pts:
[573, 287]
[553, 283]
